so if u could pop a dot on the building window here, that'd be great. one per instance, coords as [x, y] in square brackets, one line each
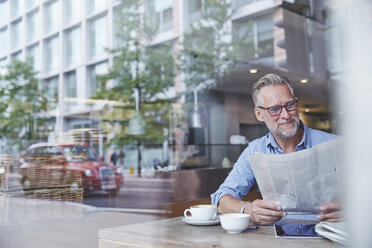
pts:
[16, 7]
[33, 52]
[240, 3]
[93, 72]
[16, 34]
[72, 10]
[51, 85]
[195, 9]
[17, 55]
[30, 3]
[95, 5]
[3, 63]
[265, 36]
[261, 30]
[3, 41]
[97, 37]
[72, 47]
[32, 26]
[70, 84]
[51, 21]
[160, 14]
[51, 54]
[4, 12]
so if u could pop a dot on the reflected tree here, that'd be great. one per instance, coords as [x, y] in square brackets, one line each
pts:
[23, 105]
[138, 66]
[211, 47]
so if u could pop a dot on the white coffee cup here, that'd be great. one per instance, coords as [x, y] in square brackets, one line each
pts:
[201, 212]
[234, 222]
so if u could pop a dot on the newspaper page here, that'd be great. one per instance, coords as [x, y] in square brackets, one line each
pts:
[301, 181]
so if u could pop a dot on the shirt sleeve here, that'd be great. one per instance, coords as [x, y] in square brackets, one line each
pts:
[239, 180]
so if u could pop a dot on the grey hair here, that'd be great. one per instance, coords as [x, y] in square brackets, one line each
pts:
[270, 79]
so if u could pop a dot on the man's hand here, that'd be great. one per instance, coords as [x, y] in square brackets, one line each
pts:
[330, 212]
[264, 212]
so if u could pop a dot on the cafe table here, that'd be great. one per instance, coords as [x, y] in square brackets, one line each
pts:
[173, 232]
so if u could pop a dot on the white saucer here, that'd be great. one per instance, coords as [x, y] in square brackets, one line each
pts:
[194, 222]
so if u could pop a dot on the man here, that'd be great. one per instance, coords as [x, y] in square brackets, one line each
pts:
[276, 105]
[114, 158]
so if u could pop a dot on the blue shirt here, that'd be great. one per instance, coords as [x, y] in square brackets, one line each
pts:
[241, 177]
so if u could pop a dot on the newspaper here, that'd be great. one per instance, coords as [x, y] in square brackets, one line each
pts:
[301, 181]
[337, 232]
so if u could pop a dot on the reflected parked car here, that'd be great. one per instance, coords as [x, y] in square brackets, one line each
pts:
[46, 165]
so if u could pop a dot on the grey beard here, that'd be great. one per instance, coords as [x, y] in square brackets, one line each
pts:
[281, 134]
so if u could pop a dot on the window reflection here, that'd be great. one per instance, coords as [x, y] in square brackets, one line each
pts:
[97, 37]
[93, 72]
[160, 14]
[17, 34]
[33, 51]
[72, 11]
[72, 47]
[95, 5]
[51, 17]
[51, 85]
[4, 39]
[33, 26]
[51, 58]
[260, 31]
[190, 46]
[4, 12]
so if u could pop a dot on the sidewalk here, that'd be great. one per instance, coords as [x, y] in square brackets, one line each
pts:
[79, 232]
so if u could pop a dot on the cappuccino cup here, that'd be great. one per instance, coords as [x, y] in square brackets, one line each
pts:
[201, 212]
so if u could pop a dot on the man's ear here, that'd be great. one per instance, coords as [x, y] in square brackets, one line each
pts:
[258, 114]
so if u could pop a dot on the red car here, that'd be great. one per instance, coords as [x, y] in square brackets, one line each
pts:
[47, 165]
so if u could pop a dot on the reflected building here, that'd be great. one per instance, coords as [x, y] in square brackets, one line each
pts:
[67, 39]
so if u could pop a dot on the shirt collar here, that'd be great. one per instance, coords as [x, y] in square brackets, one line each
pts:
[270, 141]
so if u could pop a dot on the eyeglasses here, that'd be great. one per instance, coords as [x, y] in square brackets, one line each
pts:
[276, 110]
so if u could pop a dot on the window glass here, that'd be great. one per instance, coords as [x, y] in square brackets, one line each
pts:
[4, 12]
[97, 37]
[160, 14]
[17, 55]
[195, 8]
[51, 85]
[34, 52]
[70, 84]
[30, 3]
[17, 37]
[16, 7]
[72, 47]
[240, 3]
[51, 54]
[33, 26]
[72, 11]
[51, 17]
[93, 72]
[260, 30]
[3, 63]
[95, 5]
[4, 41]
[265, 36]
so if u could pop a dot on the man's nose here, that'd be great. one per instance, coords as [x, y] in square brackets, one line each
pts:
[285, 113]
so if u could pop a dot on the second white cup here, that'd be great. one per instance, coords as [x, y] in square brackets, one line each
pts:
[201, 212]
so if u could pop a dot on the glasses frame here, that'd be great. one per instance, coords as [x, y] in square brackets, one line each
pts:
[281, 107]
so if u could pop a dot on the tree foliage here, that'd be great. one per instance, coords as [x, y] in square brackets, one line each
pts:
[138, 66]
[22, 104]
[211, 49]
